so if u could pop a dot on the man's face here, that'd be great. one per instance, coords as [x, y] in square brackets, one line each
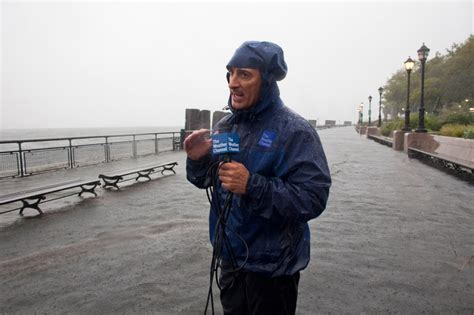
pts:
[244, 85]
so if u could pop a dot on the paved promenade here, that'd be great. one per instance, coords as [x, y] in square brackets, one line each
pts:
[397, 237]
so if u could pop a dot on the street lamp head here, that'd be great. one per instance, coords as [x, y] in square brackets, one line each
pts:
[370, 98]
[380, 90]
[423, 53]
[409, 64]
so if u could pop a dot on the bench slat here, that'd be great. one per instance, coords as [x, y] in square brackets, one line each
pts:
[113, 178]
[136, 170]
[37, 189]
[43, 191]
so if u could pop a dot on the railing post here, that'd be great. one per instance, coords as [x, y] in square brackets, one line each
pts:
[22, 172]
[156, 143]
[181, 139]
[174, 143]
[70, 155]
[107, 150]
[134, 145]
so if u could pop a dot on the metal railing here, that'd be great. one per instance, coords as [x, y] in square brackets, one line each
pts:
[33, 156]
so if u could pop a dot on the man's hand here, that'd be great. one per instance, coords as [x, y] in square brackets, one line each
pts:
[234, 177]
[198, 144]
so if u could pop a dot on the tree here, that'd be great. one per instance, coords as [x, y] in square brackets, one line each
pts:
[449, 79]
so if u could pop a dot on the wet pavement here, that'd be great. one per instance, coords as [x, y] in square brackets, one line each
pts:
[396, 237]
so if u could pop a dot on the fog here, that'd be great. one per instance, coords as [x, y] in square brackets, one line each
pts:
[119, 64]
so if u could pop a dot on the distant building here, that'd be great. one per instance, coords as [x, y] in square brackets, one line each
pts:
[347, 123]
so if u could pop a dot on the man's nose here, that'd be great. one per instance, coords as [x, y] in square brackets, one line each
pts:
[233, 82]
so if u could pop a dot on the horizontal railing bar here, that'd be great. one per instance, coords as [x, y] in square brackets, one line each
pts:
[88, 137]
[45, 149]
[126, 141]
[88, 145]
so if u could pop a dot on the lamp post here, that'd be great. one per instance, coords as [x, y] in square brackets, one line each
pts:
[380, 106]
[370, 109]
[409, 64]
[359, 110]
[422, 56]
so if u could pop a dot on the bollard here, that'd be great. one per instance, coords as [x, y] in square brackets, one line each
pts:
[217, 116]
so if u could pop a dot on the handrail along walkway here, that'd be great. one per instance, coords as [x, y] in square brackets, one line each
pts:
[20, 161]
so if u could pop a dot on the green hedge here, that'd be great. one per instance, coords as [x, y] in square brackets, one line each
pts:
[432, 122]
[389, 126]
[458, 130]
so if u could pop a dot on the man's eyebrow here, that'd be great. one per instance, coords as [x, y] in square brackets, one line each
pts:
[244, 71]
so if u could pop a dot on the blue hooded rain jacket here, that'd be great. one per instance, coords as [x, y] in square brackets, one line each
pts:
[289, 177]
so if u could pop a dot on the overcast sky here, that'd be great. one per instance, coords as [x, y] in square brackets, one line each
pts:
[120, 64]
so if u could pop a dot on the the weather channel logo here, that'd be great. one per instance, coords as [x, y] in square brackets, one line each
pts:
[225, 143]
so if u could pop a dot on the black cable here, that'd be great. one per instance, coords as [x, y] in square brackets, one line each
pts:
[220, 236]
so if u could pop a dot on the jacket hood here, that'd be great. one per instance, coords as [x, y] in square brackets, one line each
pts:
[268, 58]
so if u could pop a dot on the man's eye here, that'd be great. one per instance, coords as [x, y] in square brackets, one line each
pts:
[245, 75]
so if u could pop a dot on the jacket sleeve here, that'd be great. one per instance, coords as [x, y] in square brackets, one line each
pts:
[196, 170]
[300, 189]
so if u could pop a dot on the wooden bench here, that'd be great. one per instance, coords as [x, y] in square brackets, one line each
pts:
[31, 198]
[112, 179]
[442, 160]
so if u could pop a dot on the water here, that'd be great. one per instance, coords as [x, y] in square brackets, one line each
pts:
[396, 237]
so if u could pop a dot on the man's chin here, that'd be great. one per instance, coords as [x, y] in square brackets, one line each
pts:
[238, 106]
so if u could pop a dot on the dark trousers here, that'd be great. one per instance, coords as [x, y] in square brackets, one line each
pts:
[245, 292]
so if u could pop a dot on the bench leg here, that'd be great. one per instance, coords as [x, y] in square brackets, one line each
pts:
[145, 174]
[112, 181]
[33, 205]
[85, 189]
[168, 168]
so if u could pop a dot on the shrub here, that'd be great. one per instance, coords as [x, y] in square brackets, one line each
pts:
[458, 118]
[458, 130]
[469, 132]
[387, 127]
[433, 122]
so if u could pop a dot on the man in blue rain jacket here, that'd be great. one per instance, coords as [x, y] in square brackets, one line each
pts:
[280, 180]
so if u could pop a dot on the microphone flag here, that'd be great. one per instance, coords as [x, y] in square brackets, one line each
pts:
[225, 143]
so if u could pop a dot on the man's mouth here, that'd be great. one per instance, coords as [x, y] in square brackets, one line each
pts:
[237, 95]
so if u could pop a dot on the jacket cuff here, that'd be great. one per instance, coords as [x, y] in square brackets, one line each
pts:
[198, 163]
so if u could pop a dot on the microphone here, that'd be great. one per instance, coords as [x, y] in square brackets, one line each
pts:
[225, 142]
